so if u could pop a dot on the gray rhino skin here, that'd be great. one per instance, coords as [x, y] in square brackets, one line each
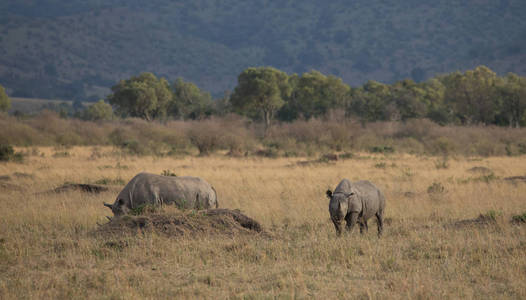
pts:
[356, 202]
[145, 188]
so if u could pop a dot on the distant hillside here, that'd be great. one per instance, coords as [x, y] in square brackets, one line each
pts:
[32, 106]
[77, 49]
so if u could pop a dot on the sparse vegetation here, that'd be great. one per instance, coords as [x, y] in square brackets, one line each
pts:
[52, 247]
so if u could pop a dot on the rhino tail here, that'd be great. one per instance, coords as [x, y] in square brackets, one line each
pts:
[215, 194]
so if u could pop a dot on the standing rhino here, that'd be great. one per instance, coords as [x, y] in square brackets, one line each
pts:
[356, 202]
[145, 188]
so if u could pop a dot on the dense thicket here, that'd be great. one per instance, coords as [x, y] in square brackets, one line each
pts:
[239, 136]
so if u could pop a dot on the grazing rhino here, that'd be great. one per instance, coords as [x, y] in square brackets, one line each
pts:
[145, 188]
[356, 202]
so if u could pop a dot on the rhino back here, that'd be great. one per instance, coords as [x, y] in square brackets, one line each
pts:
[371, 197]
[182, 191]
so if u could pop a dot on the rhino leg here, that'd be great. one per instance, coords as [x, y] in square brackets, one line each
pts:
[338, 227]
[363, 226]
[351, 220]
[380, 222]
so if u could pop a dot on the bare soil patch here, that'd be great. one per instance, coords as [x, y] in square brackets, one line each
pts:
[5, 186]
[189, 223]
[88, 188]
[480, 221]
[325, 158]
[516, 178]
[82, 187]
[480, 170]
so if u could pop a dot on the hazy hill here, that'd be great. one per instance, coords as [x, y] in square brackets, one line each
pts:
[79, 48]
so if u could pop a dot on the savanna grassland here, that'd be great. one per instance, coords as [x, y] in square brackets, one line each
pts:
[49, 247]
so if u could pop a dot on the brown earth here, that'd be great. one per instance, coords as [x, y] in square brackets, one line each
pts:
[82, 187]
[481, 220]
[482, 170]
[190, 223]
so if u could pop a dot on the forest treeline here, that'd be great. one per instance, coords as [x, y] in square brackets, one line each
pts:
[271, 113]
[267, 94]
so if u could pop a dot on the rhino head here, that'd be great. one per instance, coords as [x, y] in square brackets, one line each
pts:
[338, 207]
[120, 207]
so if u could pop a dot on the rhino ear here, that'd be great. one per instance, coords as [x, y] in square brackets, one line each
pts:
[329, 194]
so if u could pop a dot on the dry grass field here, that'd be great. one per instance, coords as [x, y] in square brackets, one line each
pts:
[49, 247]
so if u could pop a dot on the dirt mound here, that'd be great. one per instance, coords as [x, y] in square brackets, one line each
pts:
[4, 186]
[81, 187]
[326, 158]
[480, 221]
[191, 223]
[516, 178]
[23, 175]
[481, 170]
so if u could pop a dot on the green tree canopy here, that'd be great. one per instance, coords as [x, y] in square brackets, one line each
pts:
[473, 95]
[315, 94]
[260, 92]
[409, 98]
[100, 111]
[370, 102]
[512, 92]
[189, 101]
[437, 110]
[142, 96]
[5, 102]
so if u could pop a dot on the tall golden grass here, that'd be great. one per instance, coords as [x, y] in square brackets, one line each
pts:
[48, 248]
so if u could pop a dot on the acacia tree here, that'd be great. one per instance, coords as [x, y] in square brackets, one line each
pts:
[512, 92]
[142, 96]
[260, 91]
[371, 102]
[472, 95]
[99, 111]
[409, 98]
[189, 101]
[315, 94]
[5, 102]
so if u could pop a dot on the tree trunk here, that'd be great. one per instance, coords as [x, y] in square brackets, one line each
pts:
[267, 116]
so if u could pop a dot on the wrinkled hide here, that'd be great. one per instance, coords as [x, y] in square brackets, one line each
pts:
[356, 202]
[185, 192]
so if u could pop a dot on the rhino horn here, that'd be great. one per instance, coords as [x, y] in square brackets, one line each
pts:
[108, 205]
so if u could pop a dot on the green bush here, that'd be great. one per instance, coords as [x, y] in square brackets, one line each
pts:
[436, 188]
[7, 153]
[519, 218]
[382, 149]
[168, 173]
